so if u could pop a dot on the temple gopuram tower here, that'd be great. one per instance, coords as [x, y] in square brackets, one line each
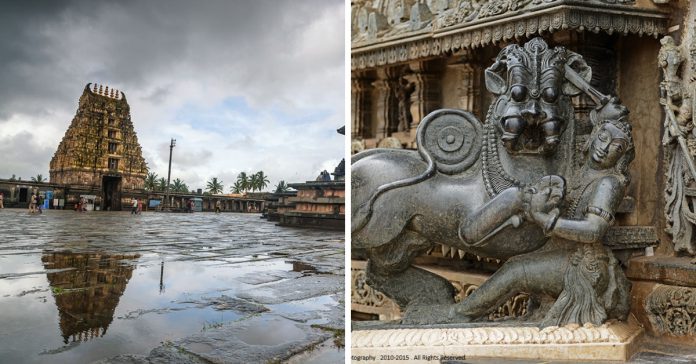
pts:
[100, 154]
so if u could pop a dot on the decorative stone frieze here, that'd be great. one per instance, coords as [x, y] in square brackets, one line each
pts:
[465, 26]
[610, 341]
[672, 310]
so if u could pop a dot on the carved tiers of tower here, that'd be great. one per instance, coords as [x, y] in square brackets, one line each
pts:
[100, 141]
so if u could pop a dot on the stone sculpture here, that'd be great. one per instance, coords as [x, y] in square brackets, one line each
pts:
[678, 141]
[505, 189]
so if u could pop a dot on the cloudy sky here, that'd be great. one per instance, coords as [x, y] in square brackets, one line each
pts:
[242, 85]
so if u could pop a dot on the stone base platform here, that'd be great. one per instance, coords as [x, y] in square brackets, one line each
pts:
[611, 341]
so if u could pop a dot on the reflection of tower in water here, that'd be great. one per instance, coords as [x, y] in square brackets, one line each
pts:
[87, 294]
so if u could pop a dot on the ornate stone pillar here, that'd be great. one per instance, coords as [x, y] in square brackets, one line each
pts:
[468, 86]
[426, 95]
[387, 103]
[360, 106]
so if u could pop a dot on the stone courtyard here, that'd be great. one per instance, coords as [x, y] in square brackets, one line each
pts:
[157, 287]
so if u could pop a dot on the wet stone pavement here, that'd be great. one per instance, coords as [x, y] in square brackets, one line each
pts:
[158, 288]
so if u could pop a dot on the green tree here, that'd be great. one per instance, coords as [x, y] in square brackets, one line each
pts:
[13, 178]
[282, 187]
[214, 186]
[236, 187]
[151, 181]
[261, 180]
[179, 186]
[254, 182]
[244, 181]
[39, 178]
[161, 184]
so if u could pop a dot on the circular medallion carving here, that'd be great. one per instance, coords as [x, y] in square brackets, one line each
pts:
[452, 138]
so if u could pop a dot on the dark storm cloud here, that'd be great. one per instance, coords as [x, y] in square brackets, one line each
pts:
[49, 47]
[16, 150]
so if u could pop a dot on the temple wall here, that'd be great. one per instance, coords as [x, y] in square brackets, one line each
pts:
[638, 88]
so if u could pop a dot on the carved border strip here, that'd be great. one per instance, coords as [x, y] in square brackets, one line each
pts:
[613, 333]
[562, 17]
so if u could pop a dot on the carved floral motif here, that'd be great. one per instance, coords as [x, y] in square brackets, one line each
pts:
[362, 294]
[672, 310]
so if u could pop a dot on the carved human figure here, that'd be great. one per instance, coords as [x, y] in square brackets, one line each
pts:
[602, 180]
[670, 58]
[403, 95]
[681, 169]
[583, 275]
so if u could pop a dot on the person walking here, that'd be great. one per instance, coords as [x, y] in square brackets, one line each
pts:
[2, 197]
[32, 204]
[39, 203]
[217, 207]
[140, 206]
[134, 210]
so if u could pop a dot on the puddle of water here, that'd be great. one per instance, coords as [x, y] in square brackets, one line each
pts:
[321, 303]
[271, 332]
[108, 304]
[129, 283]
[324, 353]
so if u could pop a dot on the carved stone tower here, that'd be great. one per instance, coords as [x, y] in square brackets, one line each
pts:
[100, 150]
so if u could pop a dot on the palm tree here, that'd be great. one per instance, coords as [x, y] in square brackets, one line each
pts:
[214, 186]
[254, 182]
[261, 180]
[161, 184]
[243, 180]
[236, 187]
[151, 181]
[13, 178]
[179, 186]
[39, 178]
[282, 187]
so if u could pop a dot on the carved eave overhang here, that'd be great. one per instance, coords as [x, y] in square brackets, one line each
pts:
[399, 44]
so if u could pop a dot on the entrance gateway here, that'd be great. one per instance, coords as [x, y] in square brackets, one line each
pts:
[111, 195]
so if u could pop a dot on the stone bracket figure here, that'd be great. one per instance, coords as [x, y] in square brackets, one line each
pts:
[678, 124]
[498, 189]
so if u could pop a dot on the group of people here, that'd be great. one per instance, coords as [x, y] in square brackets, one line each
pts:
[81, 205]
[36, 203]
[137, 206]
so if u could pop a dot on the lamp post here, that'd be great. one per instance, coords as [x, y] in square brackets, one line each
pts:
[169, 173]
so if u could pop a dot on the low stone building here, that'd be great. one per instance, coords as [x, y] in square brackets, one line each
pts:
[277, 204]
[319, 203]
[17, 193]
